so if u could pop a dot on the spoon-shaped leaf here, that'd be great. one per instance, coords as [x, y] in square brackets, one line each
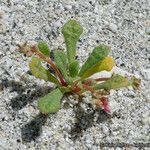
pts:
[40, 72]
[97, 56]
[107, 64]
[71, 31]
[50, 103]
[115, 82]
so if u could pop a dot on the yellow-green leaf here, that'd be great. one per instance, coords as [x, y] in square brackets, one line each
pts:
[40, 72]
[115, 82]
[107, 64]
[97, 56]
[50, 103]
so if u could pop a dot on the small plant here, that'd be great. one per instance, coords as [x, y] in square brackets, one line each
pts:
[69, 77]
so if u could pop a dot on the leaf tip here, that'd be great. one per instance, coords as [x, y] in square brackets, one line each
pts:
[43, 48]
[136, 82]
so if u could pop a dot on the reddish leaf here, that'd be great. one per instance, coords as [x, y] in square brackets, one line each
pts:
[105, 104]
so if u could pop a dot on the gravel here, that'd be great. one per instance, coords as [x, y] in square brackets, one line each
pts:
[124, 26]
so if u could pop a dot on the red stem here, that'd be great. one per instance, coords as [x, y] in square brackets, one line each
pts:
[87, 84]
[49, 61]
[88, 88]
[101, 79]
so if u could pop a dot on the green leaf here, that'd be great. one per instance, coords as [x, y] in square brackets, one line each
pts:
[74, 68]
[97, 56]
[50, 103]
[61, 62]
[71, 31]
[115, 82]
[40, 72]
[43, 48]
[107, 64]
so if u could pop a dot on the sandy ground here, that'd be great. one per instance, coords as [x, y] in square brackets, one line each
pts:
[124, 25]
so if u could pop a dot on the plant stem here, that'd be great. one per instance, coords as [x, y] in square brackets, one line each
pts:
[49, 61]
[102, 79]
[87, 85]
[88, 88]
[76, 89]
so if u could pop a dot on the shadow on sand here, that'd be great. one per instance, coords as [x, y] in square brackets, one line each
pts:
[85, 120]
[33, 129]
